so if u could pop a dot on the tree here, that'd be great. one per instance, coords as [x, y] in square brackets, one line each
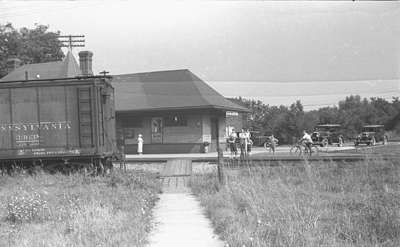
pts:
[352, 113]
[35, 45]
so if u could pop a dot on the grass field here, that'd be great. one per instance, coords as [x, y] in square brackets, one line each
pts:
[318, 204]
[58, 210]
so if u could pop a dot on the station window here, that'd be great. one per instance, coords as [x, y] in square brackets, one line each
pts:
[131, 121]
[175, 120]
[136, 123]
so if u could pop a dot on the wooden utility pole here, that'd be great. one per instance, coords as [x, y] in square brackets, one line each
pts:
[220, 165]
[104, 73]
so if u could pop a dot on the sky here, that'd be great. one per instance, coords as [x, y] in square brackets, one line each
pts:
[277, 52]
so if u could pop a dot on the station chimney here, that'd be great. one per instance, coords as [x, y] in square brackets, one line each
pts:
[12, 64]
[85, 62]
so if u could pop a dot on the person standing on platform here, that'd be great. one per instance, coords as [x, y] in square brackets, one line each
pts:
[249, 142]
[140, 144]
[273, 142]
[232, 142]
[243, 144]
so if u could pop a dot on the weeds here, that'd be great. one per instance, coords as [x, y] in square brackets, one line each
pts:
[58, 210]
[314, 204]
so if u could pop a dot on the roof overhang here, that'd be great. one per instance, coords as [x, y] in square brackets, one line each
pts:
[187, 108]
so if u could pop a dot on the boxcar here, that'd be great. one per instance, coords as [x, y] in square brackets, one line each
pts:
[62, 121]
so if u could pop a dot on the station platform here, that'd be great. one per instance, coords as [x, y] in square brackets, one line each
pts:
[258, 153]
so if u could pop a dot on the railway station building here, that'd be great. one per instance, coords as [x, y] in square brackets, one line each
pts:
[175, 112]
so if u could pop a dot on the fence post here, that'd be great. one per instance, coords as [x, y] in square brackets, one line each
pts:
[220, 165]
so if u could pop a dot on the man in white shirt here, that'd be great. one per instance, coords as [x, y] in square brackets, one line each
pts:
[248, 141]
[243, 144]
[306, 139]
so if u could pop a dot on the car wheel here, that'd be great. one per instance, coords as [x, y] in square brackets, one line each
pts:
[324, 142]
[340, 142]
[385, 140]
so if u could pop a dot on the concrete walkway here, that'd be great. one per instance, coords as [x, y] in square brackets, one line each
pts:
[179, 217]
[181, 223]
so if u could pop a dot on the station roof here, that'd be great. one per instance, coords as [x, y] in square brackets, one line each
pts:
[167, 90]
[66, 68]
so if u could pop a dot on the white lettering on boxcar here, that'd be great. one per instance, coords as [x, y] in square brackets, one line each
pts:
[60, 125]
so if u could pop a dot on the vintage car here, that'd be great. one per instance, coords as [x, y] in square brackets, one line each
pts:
[258, 139]
[327, 134]
[371, 134]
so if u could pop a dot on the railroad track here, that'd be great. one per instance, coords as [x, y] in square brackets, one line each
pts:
[283, 158]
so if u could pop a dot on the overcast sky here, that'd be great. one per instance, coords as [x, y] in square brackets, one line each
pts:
[278, 52]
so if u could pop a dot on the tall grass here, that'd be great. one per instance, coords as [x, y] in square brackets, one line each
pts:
[318, 204]
[58, 210]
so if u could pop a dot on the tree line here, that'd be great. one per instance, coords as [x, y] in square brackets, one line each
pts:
[288, 122]
[36, 45]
